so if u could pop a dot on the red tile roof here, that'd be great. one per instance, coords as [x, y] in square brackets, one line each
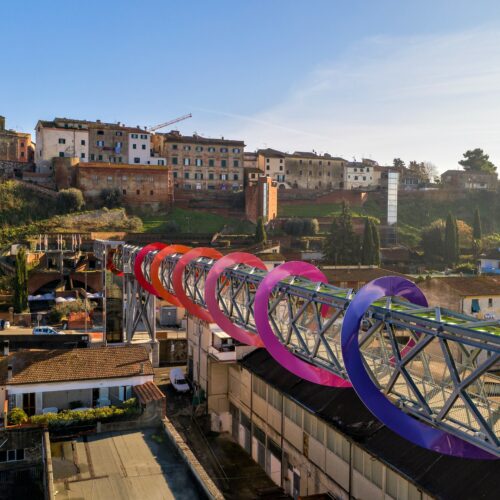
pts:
[148, 392]
[60, 365]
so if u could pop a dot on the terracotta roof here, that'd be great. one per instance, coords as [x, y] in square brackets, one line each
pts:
[271, 152]
[148, 392]
[473, 285]
[198, 139]
[39, 366]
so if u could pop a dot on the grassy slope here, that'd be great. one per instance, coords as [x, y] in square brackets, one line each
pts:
[193, 221]
[415, 212]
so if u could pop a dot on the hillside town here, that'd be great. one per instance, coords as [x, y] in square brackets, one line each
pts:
[250, 250]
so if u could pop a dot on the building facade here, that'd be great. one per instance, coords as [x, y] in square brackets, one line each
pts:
[364, 175]
[147, 186]
[462, 179]
[261, 199]
[310, 440]
[14, 146]
[202, 163]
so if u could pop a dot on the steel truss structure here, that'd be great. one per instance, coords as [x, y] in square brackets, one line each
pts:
[435, 365]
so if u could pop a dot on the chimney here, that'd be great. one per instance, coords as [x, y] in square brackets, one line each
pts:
[9, 372]
[5, 347]
[141, 369]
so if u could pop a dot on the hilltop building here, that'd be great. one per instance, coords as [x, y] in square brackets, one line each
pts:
[14, 146]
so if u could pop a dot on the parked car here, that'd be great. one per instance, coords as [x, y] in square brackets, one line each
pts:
[178, 380]
[45, 330]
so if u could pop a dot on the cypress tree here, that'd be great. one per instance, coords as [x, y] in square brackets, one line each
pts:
[477, 232]
[451, 241]
[367, 254]
[342, 246]
[376, 244]
[260, 232]
[21, 282]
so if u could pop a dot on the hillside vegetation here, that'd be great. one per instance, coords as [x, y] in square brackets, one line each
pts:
[416, 210]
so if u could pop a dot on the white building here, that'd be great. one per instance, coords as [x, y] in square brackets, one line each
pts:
[58, 379]
[140, 150]
[63, 138]
[360, 176]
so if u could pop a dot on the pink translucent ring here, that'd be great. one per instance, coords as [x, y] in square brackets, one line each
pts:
[238, 333]
[110, 265]
[277, 350]
[139, 258]
[177, 276]
[155, 269]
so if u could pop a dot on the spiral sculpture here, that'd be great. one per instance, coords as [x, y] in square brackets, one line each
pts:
[411, 429]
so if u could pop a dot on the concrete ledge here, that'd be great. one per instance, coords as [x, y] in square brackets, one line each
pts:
[49, 472]
[197, 469]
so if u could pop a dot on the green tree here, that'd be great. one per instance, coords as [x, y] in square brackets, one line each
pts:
[477, 232]
[111, 197]
[398, 163]
[475, 160]
[69, 200]
[451, 241]
[376, 243]
[21, 282]
[260, 232]
[432, 243]
[367, 252]
[342, 244]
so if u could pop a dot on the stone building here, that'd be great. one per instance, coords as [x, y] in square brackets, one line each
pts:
[261, 199]
[303, 170]
[14, 146]
[200, 162]
[463, 179]
[362, 175]
[146, 186]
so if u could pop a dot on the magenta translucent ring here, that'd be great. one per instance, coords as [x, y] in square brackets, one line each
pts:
[139, 258]
[236, 332]
[395, 419]
[277, 350]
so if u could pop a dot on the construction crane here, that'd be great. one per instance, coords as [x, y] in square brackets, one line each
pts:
[171, 122]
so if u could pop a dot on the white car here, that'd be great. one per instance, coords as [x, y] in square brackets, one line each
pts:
[178, 380]
[45, 330]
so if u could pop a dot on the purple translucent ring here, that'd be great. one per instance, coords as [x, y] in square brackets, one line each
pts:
[219, 317]
[277, 350]
[395, 419]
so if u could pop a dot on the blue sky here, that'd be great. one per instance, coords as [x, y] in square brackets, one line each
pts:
[379, 79]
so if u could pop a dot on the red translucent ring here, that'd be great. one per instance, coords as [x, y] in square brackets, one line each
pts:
[139, 258]
[177, 276]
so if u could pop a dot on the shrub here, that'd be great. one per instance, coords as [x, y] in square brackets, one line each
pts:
[17, 416]
[111, 197]
[69, 200]
[466, 268]
[172, 227]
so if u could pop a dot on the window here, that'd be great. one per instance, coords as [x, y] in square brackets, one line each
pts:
[151, 192]
[119, 134]
[236, 150]
[268, 167]
[198, 162]
[22, 154]
[100, 143]
[293, 412]
[134, 136]
[186, 175]
[61, 154]
[199, 148]
[236, 163]
[82, 155]
[235, 177]
[175, 160]
[110, 179]
[211, 163]
[175, 175]
[137, 160]
[187, 148]
[144, 146]
[92, 156]
[198, 175]
[62, 141]
[100, 132]
[174, 146]
[124, 191]
[474, 306]
[337, 444]
[210, 177]
[355, 177]
[187, 161]
[138, 191]
[223, 163]
[364, 178]
[161, 162]
[12, 455]
[223, 177]
[259, 387]
[134, 146]
[211, 149]
[144, 136]
[490, 302]
[274, 398]
[223, 150]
